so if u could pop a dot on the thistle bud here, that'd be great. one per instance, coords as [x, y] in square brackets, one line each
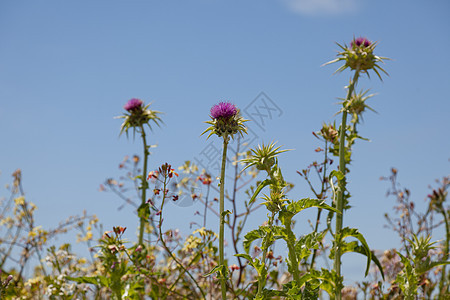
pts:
[359, 56]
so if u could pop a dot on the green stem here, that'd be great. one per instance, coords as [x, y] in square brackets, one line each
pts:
[223, 283]
[262, 277]
[342, 184]
[442, 289]
[291, 249]
[144, 187]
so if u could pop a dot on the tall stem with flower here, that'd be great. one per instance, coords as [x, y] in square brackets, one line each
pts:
[359, 57]
[226, 122]
[342, 182]
[144, 184]
[136, 117]
[222, 213]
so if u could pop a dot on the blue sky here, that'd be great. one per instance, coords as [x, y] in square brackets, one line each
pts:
[67, 68]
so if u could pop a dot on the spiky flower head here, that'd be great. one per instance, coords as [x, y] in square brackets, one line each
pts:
[226, 121]
[328, 132]
[360, 56]
[137, 115]
[263, 157]
[357, 105]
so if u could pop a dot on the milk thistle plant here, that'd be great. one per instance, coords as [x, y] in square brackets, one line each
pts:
[226, 122]
[136, 117]
[281, 208]
[359, 57]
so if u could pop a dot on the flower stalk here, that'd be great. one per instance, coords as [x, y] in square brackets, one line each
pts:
[223, 283]
[360, 58]
[225, 122]
[342, 182]
[136, 117]
[144, 187]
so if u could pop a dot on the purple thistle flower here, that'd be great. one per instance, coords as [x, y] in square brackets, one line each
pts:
[223, 110]
[361, 41]
[133, 104]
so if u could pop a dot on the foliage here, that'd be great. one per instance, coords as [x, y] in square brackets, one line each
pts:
[274, 260]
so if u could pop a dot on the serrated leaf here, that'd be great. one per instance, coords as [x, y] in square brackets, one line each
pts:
[293, 290]
[279, 232]
[219, 269]
[328, 280]
[297, 206]
[258, 189]
[246, 256]
[307, 242]
[310, 291]
[356, 248]
[144, 211]
[361, 250]
[269, 294]
[353, 232]
[250, 237]
[434, 264]
[225, 213]
[338, 174]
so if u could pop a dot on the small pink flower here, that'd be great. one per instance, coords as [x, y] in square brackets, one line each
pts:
[361, 41]
[234, 267]
[223, 110]
[133, 104]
